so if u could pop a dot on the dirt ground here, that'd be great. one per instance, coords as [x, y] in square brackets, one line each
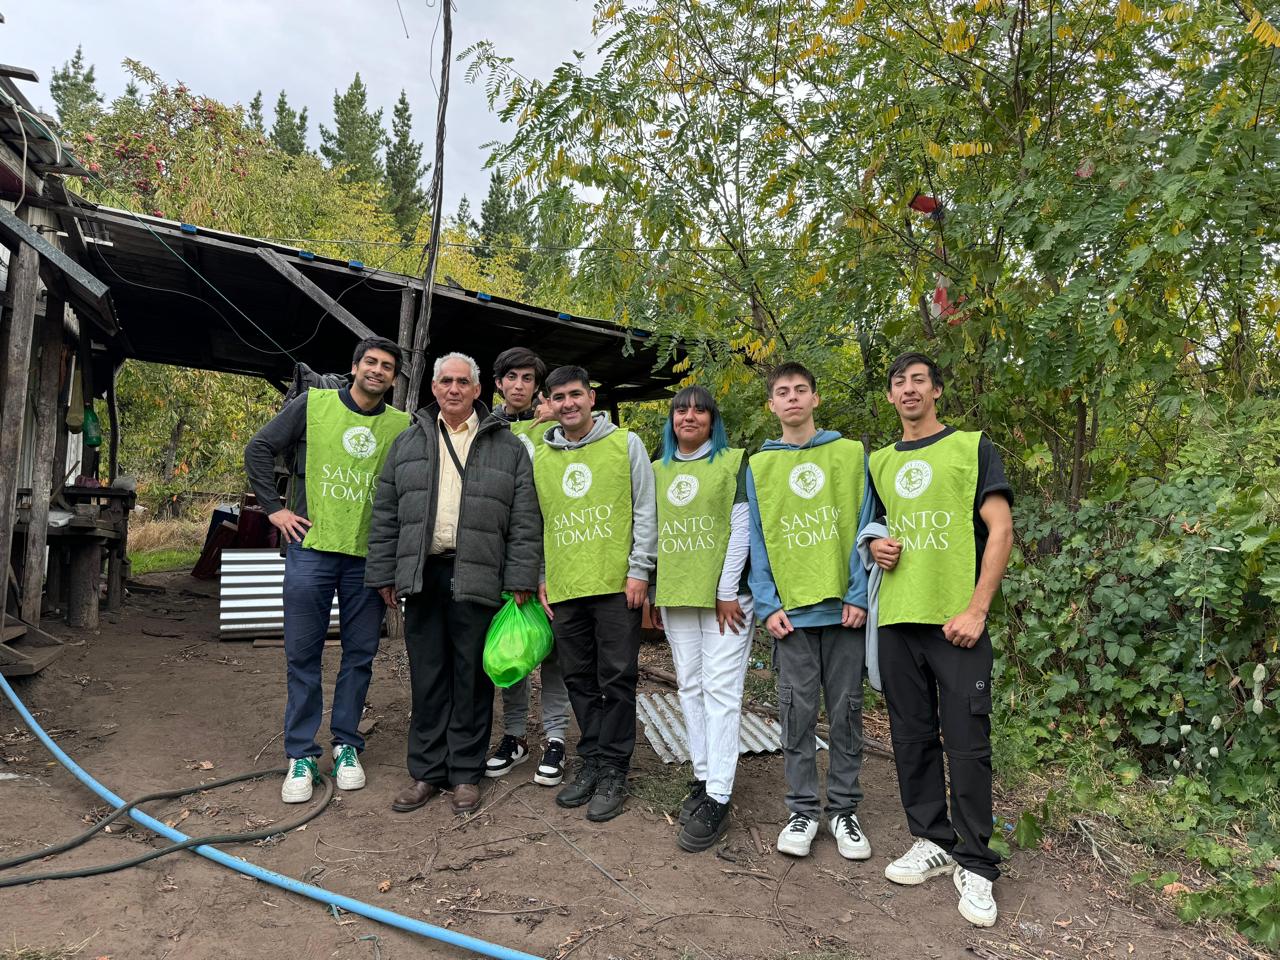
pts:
[149, 700]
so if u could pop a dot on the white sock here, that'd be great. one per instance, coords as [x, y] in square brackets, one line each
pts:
[719, 797]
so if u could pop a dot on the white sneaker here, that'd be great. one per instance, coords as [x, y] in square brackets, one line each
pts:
[797, 836]
[347, 772]
[303, 772]
[850, 840]
[977, 905]
[925, 859]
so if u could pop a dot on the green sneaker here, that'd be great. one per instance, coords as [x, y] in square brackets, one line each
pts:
[346, 768]
[303, 772]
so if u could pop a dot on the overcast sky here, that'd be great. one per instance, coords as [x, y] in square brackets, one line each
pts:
[228, 49]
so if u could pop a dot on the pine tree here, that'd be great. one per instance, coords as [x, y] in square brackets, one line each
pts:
[255, 113]
[405, 197]
[289, 132]
[357, 135]
[464, 218]
[75, 94]
[504, 220]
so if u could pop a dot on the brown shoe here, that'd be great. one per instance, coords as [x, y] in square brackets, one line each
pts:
[466, 797]
[413, 796]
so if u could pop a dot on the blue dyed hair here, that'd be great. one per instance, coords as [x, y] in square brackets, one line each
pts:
[700, 397]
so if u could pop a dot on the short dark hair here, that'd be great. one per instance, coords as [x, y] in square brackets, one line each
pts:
[517, 358]
[789, 369]
[570, 373]
[378, 343]
[900, 365]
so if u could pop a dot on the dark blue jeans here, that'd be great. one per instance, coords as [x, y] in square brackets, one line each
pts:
[311, 577]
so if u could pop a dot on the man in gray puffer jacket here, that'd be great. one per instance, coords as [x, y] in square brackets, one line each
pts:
[455, 523]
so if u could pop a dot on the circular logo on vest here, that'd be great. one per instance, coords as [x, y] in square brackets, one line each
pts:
[807, 480]
[528, 444]
[577, 480]
[359, 442]
[913, 479]
[682, 490]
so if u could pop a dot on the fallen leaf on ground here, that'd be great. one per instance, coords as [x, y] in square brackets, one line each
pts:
[1175, 889]
[384, 886]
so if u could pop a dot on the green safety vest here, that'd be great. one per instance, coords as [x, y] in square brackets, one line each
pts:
[809, 504]
[345, 453]
[695, 506]
[529, 434]
[928, 497]
[585, 496]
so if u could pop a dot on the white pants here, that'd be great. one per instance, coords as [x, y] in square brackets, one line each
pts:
[710, 669]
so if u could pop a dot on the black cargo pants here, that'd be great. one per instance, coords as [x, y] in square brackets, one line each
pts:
[929, 684]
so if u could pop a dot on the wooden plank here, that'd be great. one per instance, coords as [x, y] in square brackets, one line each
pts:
[24, 276]
[19, 73]
[405, 340]
[309, 289]
[47, 425]
[89, 288]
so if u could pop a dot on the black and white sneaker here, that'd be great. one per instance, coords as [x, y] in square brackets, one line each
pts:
[551, 768]
[697, 791]
[925, 859]
[850, 840]
[797, 836]
[707, 825]
[511, 752]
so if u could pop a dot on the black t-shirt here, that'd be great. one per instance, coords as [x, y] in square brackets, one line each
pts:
[991, 479]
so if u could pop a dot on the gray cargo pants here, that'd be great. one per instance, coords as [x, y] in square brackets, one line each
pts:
[829, 660]
[555, 702]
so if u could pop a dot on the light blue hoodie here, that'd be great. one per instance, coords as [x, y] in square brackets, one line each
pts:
[760, 576]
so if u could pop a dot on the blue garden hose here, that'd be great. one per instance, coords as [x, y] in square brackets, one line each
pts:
[328, 898]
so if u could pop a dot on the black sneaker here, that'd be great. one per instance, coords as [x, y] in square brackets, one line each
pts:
[697, 790]
[583, 786]
[610, 795]
[511, 751]
[707, 825]
[551, 770]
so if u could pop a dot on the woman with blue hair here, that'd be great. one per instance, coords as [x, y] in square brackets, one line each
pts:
[702, 601]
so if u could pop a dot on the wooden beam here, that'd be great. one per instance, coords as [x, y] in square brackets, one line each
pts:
[47, 425]
[313, 292]
[24, 279]
[405, 339]
[83, 285]
[19, 73]
[113, 421]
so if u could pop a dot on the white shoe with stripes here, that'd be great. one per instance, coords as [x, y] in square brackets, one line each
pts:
[925, 859]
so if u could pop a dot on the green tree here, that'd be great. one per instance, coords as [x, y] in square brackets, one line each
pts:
[405, 197]
[357, 136]
[75, 94]
[464, 219]
[289, 131]
[255, 113]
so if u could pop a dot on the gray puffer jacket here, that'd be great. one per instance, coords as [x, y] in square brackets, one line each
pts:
[499, 544]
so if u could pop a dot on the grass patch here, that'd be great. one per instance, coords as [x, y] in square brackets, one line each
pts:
[158, 561]
[40, 953]
[663, 788]
[167, 534]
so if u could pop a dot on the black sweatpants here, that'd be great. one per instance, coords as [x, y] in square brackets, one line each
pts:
[598, 641]
[452, 695]
[929, 682]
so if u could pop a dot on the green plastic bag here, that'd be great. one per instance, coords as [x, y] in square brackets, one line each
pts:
[519, 639]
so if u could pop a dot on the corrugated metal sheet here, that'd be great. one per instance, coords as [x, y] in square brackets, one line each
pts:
[665, 730]
[251, 594]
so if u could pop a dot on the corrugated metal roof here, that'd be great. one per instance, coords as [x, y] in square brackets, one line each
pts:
[665, 730]
[251, 594]
[21, 125]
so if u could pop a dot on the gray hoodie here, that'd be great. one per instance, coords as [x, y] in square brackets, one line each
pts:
[644, 506]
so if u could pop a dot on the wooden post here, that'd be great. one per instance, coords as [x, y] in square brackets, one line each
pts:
[24, 275]
[89, 456]
[113, 420]
[47, 425]
[405, 340]
[86, 582]
[58, 469]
